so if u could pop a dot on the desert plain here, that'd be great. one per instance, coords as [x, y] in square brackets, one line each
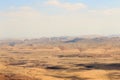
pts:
[60, 59]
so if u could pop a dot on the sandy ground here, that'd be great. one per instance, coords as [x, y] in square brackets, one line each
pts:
[54, 64]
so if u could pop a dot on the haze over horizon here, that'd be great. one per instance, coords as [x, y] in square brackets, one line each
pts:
[46, 18]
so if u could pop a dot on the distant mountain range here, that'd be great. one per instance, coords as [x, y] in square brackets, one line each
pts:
[64, 39]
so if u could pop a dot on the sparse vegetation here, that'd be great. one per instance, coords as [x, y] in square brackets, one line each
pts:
[84, 59]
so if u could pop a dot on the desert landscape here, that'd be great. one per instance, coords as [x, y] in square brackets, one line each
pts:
[60, 58]
[59, 39]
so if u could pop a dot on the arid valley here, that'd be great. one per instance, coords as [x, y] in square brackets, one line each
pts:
[60, 58]
[59, 39]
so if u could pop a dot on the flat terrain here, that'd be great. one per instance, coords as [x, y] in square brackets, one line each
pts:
[58, 65]
[36, 63]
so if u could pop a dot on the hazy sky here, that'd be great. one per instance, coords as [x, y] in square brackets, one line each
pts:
[38, 18]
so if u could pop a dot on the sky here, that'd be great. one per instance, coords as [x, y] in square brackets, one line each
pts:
[49, 18]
